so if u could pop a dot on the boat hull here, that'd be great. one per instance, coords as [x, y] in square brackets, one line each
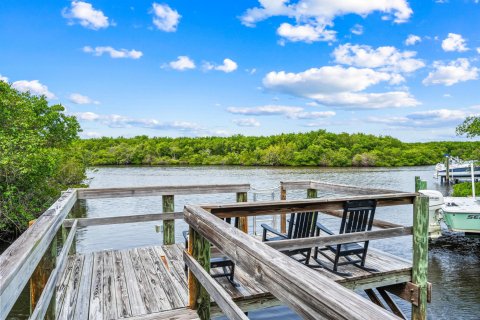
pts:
[464, 172]
[462, 222]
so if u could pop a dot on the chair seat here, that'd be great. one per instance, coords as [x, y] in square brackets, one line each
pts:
[348, 248]
[220, 262]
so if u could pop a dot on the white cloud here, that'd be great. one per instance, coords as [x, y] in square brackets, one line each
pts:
[387, 58]
[120, 121]
[454, 42]
[84, 14]
[182, 63]
[453, 72]
[228, 66]
[77, 98]
[306, 33]
[438, 118]
[357, 29]
[90, 134]
[114, 53]
[478, 50]
[3, 78]
[412, 40]
[166, 18]
[314, 16]
[288, 111]
[339, 86]
[34, 87]
[248, 122]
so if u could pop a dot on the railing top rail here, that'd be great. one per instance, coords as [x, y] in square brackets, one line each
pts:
[320, 185]
[311, 294]
[270, 207]
[88, 193]
[20, 259]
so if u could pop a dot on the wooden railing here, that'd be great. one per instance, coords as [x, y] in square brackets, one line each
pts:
[305, 291]
[33, 256]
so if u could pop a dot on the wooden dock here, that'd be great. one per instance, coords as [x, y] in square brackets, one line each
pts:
[142, 283]
[151, 282]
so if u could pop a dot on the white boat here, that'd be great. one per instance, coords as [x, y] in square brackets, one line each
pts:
[458, 169]
[460, 214]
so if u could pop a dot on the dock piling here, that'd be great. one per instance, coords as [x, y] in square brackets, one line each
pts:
[168, 205]
[420, 255]
[243, 222]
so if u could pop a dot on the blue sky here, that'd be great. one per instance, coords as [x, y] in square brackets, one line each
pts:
[409, 69]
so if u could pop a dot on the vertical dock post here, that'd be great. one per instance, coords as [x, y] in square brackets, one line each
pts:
[168, 205]
[283, 216]
[198, 297]
[40, 276]
[311, 193]
[447, 167]
[243, 222]
[420, 255]
[420, 184]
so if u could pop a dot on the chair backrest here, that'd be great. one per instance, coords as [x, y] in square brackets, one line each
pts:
[302, 224]
[358, 216]
[236, 221]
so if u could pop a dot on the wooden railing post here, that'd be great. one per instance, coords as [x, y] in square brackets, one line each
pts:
[420, 184]
[40, 277]
[168, 205]
[420, 255]
[283, 217]
[311, 193]
[243, 222]
[198, 297]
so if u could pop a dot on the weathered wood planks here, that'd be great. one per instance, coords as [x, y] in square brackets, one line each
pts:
[85, 222]
[307, 292]
[20, 259]
[160, 191]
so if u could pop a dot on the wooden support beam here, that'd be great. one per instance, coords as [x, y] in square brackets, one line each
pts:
[243, 222]
[168, 206]
[374, 298]
[391, 304]
[198, 297]
[311, 193]
[319, 204]
[218, 293]
[85, 222]
[420, 255]
[283, 217]
[90, 193]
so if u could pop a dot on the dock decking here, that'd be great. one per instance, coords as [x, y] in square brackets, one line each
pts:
[150, 282]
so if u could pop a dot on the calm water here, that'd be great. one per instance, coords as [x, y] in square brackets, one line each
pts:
[454, 275]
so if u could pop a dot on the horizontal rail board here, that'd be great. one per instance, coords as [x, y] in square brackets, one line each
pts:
[21, 258]
[219, 295]
[318, 185]
[276, 207]
[309, 293]
[292, 244]
[376, 222]
[47, 293]
[88, 193]
[85, 222]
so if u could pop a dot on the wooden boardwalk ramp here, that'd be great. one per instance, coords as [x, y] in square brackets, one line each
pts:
[150, 283]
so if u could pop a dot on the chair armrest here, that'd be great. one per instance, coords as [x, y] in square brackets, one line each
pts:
[324, 229]
[270, 229]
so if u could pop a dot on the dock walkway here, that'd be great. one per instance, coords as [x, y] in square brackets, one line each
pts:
[150, 283]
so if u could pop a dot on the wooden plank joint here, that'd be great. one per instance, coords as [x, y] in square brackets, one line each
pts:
[409, 291]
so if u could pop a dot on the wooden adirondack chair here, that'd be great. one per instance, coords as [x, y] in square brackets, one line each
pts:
[300, 225]
[357, 217]
[225, 263]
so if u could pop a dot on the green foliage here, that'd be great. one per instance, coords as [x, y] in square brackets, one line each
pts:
[36, 159]
[464, 189]
[316, 148]
[470, 127]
